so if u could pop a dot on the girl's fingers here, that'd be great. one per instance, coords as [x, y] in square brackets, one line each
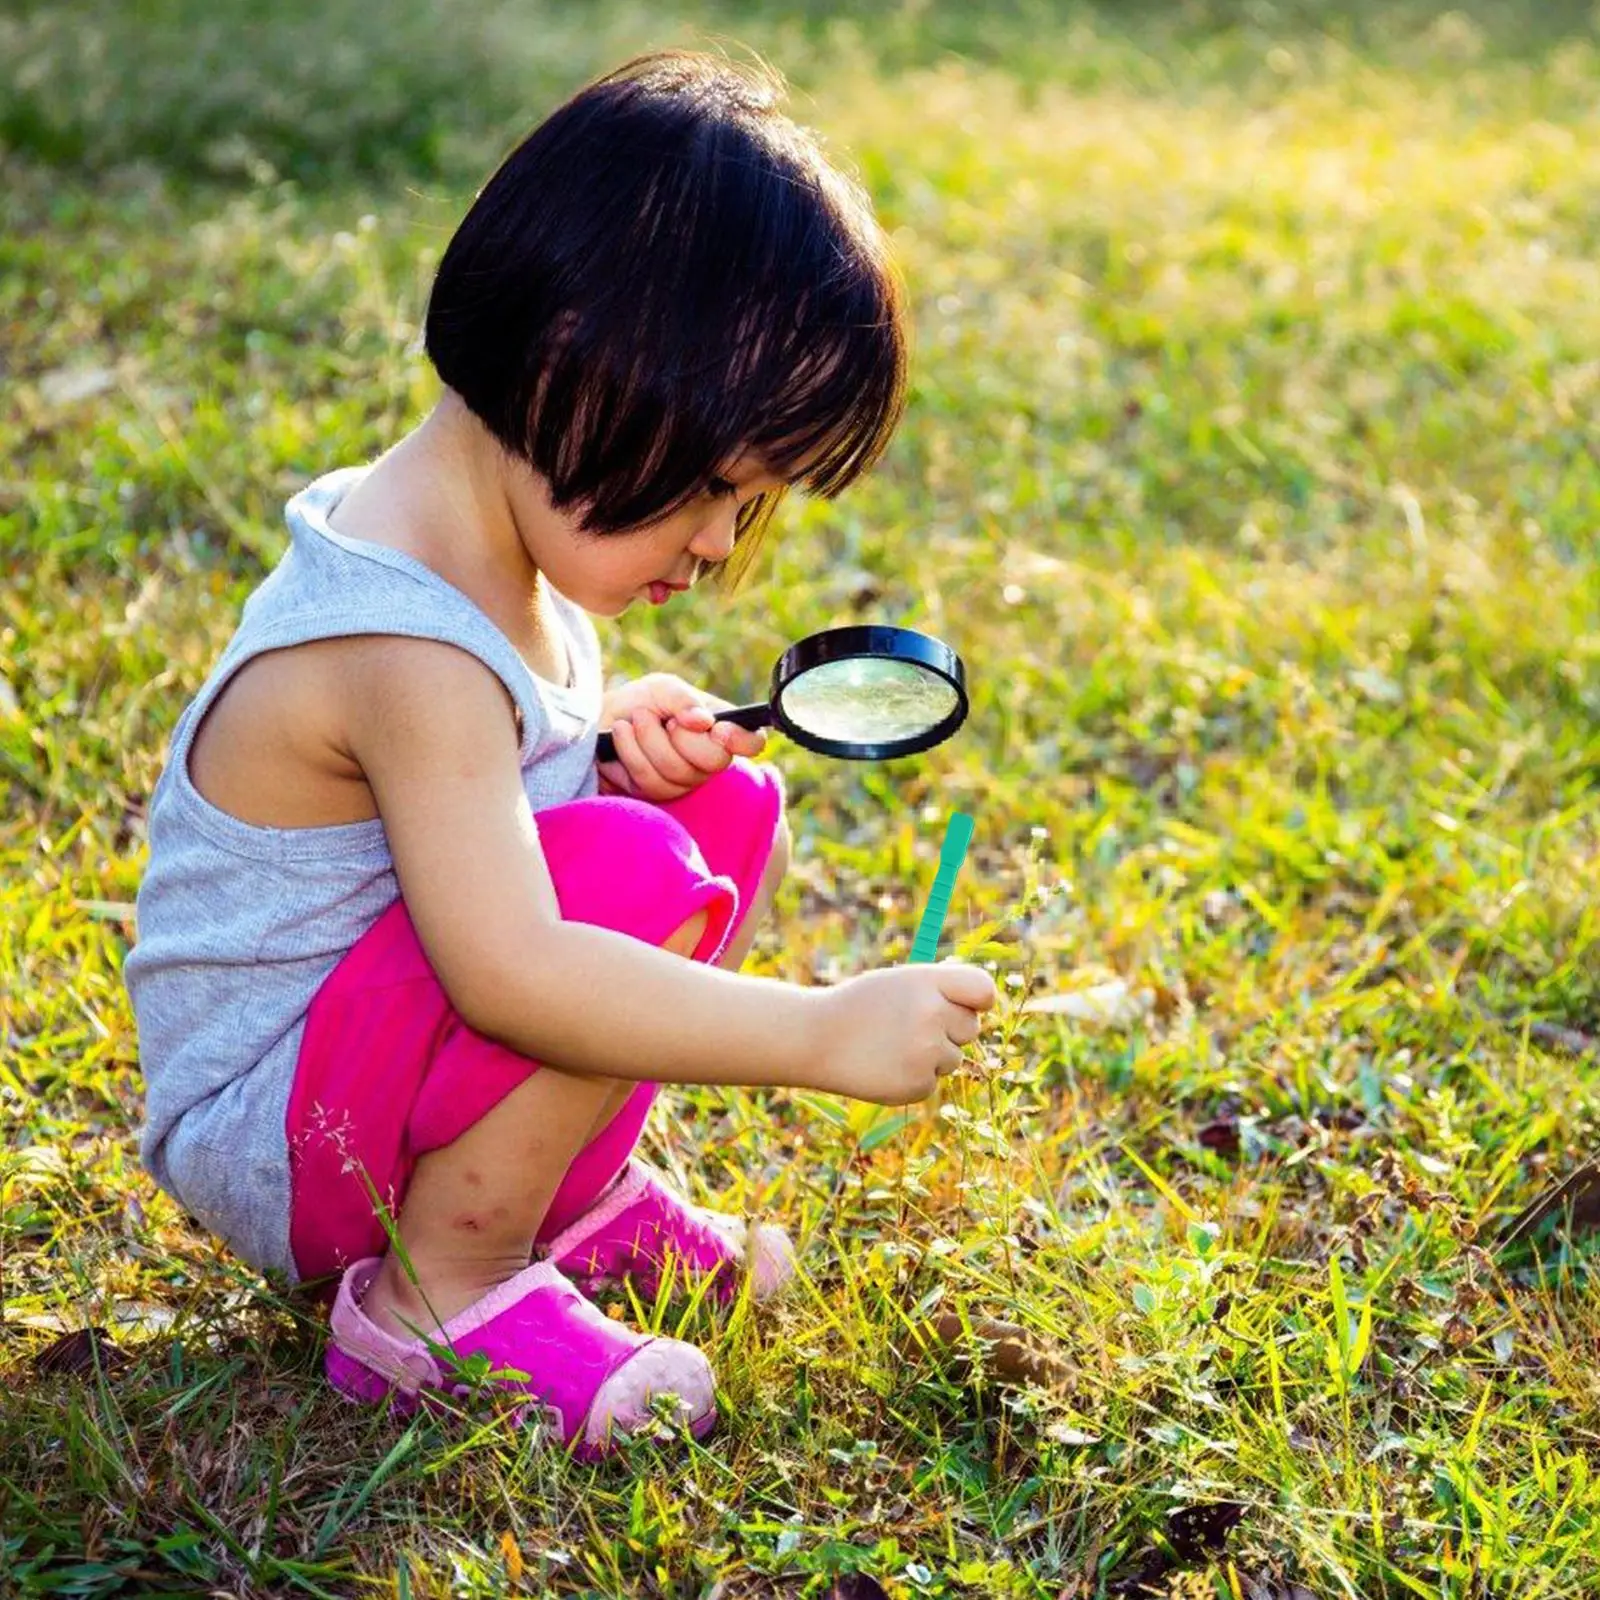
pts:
[703, 751]
[739, 741]
[648, 782]
[965, 1028]
[665, 759]
[656, 745]
[640, 772]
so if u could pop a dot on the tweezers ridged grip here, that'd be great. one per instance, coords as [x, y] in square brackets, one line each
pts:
[957, 836]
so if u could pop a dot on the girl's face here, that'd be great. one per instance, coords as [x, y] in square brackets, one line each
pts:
[606, 573]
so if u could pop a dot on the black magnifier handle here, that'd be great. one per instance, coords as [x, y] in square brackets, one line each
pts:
[751, 717]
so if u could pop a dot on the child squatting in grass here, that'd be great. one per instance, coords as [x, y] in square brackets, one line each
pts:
[399, 936]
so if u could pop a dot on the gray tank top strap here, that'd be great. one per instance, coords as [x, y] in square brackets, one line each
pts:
[329, 585]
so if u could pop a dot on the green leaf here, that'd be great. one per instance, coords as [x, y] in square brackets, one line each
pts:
[1363, 1339]
[882, 1132]
[829, 1109]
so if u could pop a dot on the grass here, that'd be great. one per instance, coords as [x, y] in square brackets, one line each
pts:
[1251, 466]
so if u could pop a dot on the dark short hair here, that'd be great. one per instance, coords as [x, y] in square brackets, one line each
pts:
[665, 271]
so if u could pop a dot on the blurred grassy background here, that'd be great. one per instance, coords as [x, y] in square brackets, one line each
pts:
[1251, 464]
[318, 92]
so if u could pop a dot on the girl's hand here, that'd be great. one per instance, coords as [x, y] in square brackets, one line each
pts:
[668, 742]
[889, 1035]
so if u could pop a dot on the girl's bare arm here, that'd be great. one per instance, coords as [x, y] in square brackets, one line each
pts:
[434, 732]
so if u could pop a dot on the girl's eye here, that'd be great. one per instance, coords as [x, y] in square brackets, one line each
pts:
[719, 488]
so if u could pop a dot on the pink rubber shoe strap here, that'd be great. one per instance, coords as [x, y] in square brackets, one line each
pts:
[406, 1362]
[635, 1180]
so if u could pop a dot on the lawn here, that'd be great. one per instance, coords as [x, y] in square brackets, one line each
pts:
[1251, 464]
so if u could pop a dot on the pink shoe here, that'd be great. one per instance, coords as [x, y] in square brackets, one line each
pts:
[589, 1375]
[639, 1224]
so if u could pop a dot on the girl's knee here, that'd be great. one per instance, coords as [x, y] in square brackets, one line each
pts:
[686, 940]
[778, 861]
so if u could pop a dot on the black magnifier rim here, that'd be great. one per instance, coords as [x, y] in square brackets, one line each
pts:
[886, 643]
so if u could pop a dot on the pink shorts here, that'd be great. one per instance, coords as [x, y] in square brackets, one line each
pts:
[388, 1071]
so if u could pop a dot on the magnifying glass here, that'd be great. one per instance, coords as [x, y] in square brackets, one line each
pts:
[865, 693]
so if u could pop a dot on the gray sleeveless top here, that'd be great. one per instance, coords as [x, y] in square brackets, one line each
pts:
[239, 925]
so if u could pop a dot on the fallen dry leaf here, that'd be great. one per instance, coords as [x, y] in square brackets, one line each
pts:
[1014, 1353]
[74, 1354]
[1113, 1004]
[66, 385]
[1272, 1589]
[1578, 1194]
[1568, 1039]
[1196, 1529]
[857, 1586]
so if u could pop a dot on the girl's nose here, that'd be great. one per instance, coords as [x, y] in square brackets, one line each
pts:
[714, 542]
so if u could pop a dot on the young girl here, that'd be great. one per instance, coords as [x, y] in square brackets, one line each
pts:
[408, 960]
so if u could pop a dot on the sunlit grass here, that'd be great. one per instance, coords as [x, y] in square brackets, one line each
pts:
[1251, 467]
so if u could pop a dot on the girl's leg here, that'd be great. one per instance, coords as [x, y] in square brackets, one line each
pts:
[745, 935]
[389, 1074]
[474, 1206]
[615, 1217]
[733, 958]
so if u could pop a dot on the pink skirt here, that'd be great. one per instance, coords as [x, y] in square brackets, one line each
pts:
[388, 1071]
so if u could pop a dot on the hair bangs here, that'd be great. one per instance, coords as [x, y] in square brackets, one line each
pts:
[834, 415]
[667, 275]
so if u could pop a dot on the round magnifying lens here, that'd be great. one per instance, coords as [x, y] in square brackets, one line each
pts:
[866, 693]
[869, 692]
